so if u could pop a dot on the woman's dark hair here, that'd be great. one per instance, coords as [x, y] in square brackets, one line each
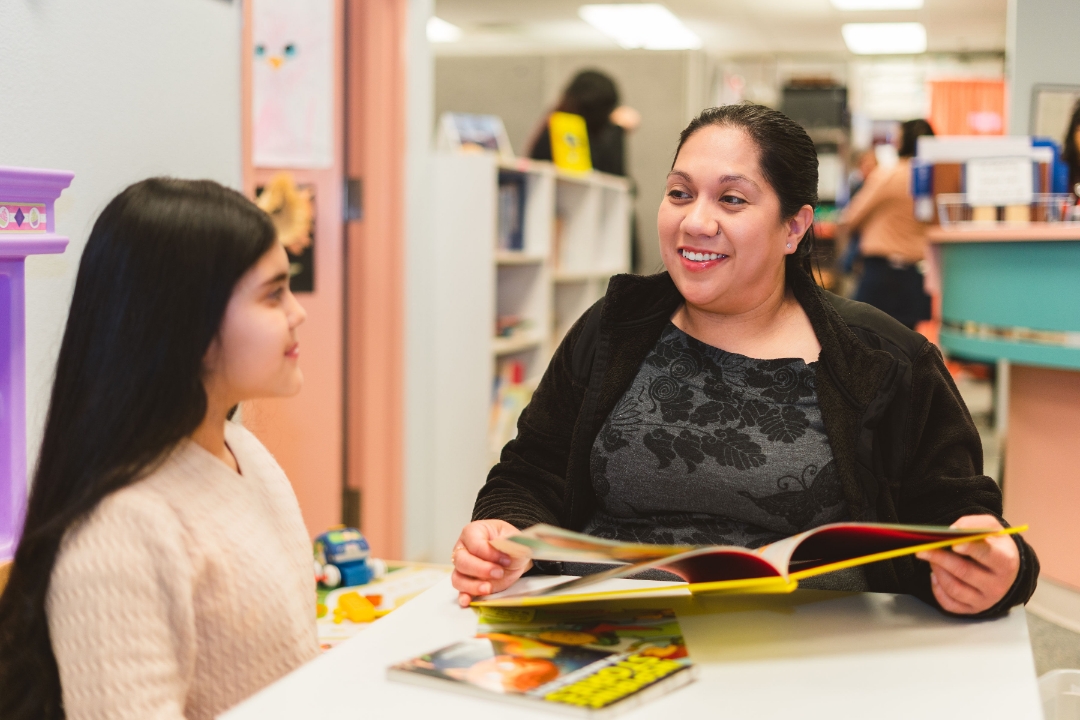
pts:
[1071, 153]
[153, 284]
[592, 95]
[910, 132]
[787, 157]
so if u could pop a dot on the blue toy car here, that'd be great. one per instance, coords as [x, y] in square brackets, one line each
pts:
[342, 558]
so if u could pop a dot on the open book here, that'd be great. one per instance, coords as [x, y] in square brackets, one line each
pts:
[774, 568]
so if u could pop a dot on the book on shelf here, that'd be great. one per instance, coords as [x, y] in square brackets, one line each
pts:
[569, 142]
[511, 211]
[593, 664]
[773, 568]
[468, 132]
[510, 395]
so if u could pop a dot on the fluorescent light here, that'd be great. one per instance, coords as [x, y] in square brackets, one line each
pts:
[884, 38]
[877, 4]
[440, 31]
[648, 25]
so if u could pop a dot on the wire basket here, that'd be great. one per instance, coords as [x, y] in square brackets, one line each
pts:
[953, 209]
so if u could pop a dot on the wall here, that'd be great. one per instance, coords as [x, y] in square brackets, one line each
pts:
[668, 88]
[1041, 48]
[420, 283]
[115, 91]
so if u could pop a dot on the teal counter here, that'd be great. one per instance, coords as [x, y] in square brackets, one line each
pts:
[1011, 293]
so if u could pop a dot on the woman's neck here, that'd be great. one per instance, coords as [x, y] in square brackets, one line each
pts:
[210, 434]
[776, 327]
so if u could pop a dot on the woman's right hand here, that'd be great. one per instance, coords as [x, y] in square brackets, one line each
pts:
[480, 569]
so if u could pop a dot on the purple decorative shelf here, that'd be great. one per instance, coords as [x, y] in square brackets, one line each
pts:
[26, 228]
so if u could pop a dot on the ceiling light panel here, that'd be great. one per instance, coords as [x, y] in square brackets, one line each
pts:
[440, 31]
[877, 4]
[884, 38]
[649, 25]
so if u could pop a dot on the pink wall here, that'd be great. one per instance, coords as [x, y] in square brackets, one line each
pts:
[305, 433]
[1042, 466]
[375, 299]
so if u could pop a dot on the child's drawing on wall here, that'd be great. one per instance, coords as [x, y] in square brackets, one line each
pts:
[293, 83]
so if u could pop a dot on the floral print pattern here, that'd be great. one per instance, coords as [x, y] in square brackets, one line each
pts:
[708, 446]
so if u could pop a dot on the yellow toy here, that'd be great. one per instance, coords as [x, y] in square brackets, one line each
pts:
[355, 607]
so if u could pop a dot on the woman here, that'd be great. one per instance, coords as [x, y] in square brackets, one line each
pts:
[891, 240]
[164, 570]
[593, 95]
[732, 400]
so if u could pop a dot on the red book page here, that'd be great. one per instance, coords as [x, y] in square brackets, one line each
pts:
[716, 566]
[833, 544]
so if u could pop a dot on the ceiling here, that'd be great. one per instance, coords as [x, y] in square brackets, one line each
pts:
[726, 27]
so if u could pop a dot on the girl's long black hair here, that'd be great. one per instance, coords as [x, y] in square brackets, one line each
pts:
[153, 284]
[788, 161]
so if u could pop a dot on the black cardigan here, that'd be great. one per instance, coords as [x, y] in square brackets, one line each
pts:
[905, 446]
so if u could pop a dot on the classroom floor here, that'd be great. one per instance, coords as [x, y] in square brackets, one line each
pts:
[1054, 647]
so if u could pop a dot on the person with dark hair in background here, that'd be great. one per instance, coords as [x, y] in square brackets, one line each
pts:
[891, 240]
[593, 96]
[163, 570]
[730, 400]
[1071, 150]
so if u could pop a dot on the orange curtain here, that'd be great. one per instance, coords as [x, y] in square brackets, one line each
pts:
[967, 107]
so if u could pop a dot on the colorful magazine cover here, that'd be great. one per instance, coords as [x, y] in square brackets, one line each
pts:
[585, 663]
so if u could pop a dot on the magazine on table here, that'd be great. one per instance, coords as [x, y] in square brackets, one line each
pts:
[594, 664]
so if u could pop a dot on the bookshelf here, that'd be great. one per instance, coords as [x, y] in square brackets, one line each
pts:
[522, 250]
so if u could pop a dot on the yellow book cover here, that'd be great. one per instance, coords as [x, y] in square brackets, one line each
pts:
[773, 568]
[569, 142]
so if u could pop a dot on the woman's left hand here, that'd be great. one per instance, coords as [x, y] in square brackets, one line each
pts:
[972, 577]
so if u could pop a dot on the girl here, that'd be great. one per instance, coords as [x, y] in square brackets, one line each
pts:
[730, 400]
[164, 569]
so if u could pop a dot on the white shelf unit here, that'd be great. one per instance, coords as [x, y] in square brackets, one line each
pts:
[575, 234]
[591, 242]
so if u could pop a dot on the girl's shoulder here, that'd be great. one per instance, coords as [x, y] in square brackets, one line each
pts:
[131, 521]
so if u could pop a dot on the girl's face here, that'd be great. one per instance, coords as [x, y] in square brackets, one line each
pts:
[721, 235]
[255, 353]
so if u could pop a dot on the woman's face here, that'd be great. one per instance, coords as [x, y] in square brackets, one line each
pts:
[721, 235]
[255, 353]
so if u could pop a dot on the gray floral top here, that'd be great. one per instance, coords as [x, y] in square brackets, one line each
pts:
[711, 447]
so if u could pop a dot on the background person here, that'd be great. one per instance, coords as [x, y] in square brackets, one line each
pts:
[865, 163]
[892, 242]
[594, 96]
[164, 569]
[1071, 150]
[731, 400]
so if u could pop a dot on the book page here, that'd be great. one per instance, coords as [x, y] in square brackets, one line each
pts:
[700, 565]
[831, 547]
[547, 542]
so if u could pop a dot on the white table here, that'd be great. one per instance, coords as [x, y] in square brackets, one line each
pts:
[812, 654]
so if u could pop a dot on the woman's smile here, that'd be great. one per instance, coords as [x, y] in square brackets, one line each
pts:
[697, 260]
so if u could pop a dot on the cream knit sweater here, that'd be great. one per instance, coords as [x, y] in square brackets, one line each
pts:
[186, 592]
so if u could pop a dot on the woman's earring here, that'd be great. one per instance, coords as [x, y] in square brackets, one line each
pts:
[789, 246]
